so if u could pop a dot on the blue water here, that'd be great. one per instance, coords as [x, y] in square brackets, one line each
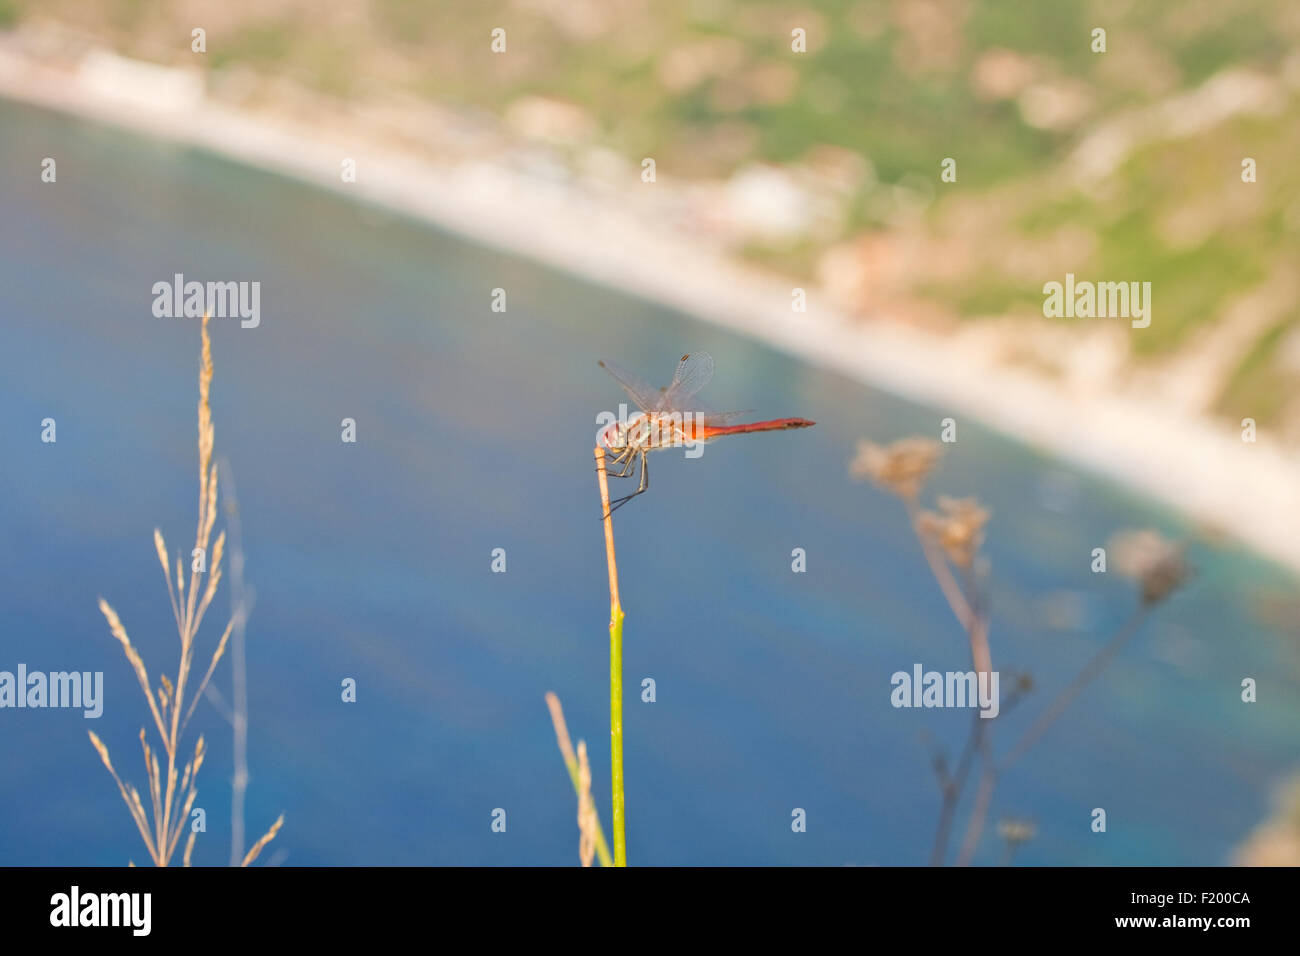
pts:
[373, 561]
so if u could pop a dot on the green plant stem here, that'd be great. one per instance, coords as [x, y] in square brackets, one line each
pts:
[615, 669]
[616, 732]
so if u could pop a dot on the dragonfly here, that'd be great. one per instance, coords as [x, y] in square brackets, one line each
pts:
[670, 417]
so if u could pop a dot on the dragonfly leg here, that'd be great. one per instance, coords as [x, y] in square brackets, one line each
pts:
[624, 461]
[645, 483]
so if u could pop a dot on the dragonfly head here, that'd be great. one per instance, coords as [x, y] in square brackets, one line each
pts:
[614, 437]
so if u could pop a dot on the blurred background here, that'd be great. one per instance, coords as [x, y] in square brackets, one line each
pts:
[819, 169]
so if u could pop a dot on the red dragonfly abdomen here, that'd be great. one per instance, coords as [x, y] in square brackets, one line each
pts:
[705, 432]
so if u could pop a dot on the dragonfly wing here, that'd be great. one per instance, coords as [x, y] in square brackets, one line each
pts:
[720, 419]
[694, 371]
[646, 396]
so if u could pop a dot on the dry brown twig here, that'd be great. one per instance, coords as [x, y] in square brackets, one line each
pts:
[951, 538]
[171, 799]
[589, 829]
[586, 809]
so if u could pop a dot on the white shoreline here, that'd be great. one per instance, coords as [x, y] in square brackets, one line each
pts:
[1249, 491]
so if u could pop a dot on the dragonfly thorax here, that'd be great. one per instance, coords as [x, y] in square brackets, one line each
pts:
[634, 433]
[652, 430]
